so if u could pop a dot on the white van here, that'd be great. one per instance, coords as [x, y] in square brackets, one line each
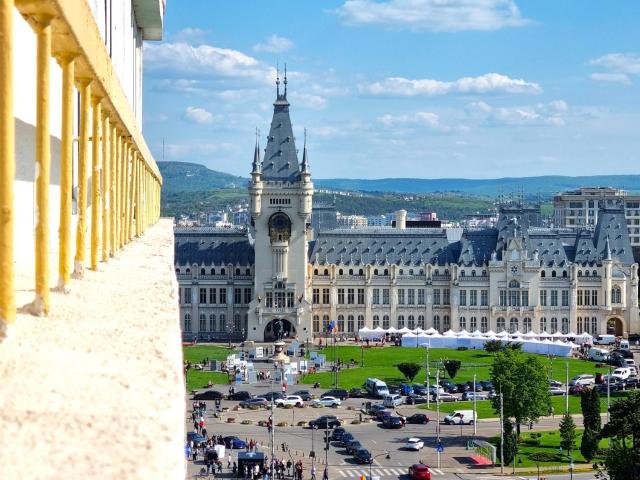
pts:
[621, 373]
[392, 401]
[624, 345]
[376, 388]
[605, 340]
[598, 354]
[464, 417]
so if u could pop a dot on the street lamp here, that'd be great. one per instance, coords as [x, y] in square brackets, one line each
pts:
[570, 458]
[388, 457]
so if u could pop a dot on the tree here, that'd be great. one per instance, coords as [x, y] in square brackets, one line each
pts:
[493, 346]
[409, 370]
[522, 380]
[452, 367]
[590, 404]
[510, 443]
[567, 433]
[589, 444]
[622, 461]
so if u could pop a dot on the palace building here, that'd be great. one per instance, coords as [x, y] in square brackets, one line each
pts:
[238, 283]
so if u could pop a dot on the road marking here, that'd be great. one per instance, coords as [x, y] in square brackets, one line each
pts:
[437, 472]
[342, 473]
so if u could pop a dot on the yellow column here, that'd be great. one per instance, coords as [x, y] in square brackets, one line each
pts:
[113, 163]
[118, 193]
[84, 87]
[134, 195]
[123, 189]
[95, 184]
[66, 171]
[106, 182]
[126, 200]
[43, 164]
[138, 198]
[7, 165]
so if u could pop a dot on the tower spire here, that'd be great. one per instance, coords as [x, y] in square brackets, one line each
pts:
[285, 80]
[256, 165]
[305, 157]
[277, 80]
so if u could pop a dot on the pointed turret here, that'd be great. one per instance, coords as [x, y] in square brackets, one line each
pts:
[256, 166]
[607, 249]
[305, 168]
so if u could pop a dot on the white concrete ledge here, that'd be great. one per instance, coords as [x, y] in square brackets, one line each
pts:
[95, 390]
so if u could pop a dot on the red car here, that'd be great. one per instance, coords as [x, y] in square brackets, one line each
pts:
[419, 471]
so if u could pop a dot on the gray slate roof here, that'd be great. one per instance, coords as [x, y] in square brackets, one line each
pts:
[280, 161]
[211, 246]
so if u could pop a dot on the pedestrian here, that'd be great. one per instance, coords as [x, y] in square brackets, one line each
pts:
[313, 472]
[229, 462]
[234, 469]
[194, 455]
[325, 474]
[289, 465]
[245, 471]
[219, 467]
[204, 431]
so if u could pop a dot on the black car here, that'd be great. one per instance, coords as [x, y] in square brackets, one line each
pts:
[304, 394]
[242, 395]
[353, 445]
[337, 434]
[356, 393]
[362, 456]
[631, 382]
[208, 395]
[420, 389]
[487, 386]
[416, 399]
[624, 353]
[340, 393]
[462, 387]
[346, 438]
[394, 389]
[478, 386]
[392, 422]
[419, 418]
[449, 386]
[324, 422]
[196, 438]
[616, 360]
[272, 395]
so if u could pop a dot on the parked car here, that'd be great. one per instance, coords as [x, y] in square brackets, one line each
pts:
[473, 395]
[616, 360]
[622, 373]
[362, 456]
[458, 417]
[419, 471]
[383, 414]
[462, 387]
[375, 408]
[406, 389]
[337, 434]
[346, 438]
[487, 386]
[419, 418]
[393, 400]
[196, 438]
[448, 386]
[555, 383]
[445, 397]
[393, 422]
[326, 402]
[436, 389]
[241, 395]
[208, 395]
[352, 446]
[583, 380]
[356, 393]
[272, 395]
[478, 386]
[631, 382]
[420, 389]
[624, 352]
[234, 443]
[340, 393]
[293, 400]
[556, 391]
[254, 402]
[304, 394]
[394, 389]
[414, 443]
[577, 389]
[325, 421]
[415, 399]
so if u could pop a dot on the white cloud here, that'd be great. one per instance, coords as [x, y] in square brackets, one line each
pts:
[488, 83]
[198, 115]
[433, 15]
[274, 44]
[427, 119]
[315, 102]
[204, 60]
[619, 67]
[553, 113]
[195, 149]
[191, 35]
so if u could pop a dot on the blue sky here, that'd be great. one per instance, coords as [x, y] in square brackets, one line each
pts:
[402, 88]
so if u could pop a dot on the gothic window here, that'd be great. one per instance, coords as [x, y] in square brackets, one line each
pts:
[223, 271]
[484, 325]
[376, 321]
[316, 323]
[436, 323]
[473, 324]
[421, 321]
[385, 322]
[350, 323]
[526, 325]
[565, 325]
[500, 324]
[360, 322]
[564, 274]
[543, 324]
[554, 324]
[411, 324]
[580, 325]
[279, 227]
[446, 323]
[212, 323]
[325, 323]
[202, 271]
[463, 323]
[616, 295]
[553, 273]
[187, 322]
[213, 271]
[203, 323]
[341, 323]
[400, 321]
[513, 325]
[543, 274]
[237, 272]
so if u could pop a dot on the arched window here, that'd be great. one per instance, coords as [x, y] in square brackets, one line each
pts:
[594, 273]
[350, 323]
[594, 326]
[580, 326]
[375, 271]
[436, 323]
[565, 325]
[247, 272]
[500, 324]
[484, 325]
[223, 271]
[462, 273]
[543, 273]
[543, 324]
[237, 272]
[340, 272]
[463, 323]
[473, 324]
[236, 323]
[360, 322]
[376, 321]
[188, 271]
[385, 322]
[202, 271]
[401, 272]
[315, 271]
[187, 322]
[316, 323]
[564, 274]
[341, 323]
[223, 323]
[526, 325]
[553, 273]
[325, 323]
[360, 272]
[513, 325]
[400, 321]
[446, 323]
[579, 273]
[586, 273]
[213, 271]
[554, 324]
[616, 294]
[351, 271]
[421, 321]
[203, 323]
[212, 323]
[473, 273]
[411, 323]
[177, 271]
[386, 272]
[436, 272]
[326, 272]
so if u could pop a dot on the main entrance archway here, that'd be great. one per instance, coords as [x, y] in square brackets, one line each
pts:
[615, 327]
[279, 325]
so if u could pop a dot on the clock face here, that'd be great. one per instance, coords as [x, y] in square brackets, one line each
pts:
[279, 227]
[514, 269]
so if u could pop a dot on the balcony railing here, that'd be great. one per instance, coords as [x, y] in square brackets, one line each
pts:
[125, 181]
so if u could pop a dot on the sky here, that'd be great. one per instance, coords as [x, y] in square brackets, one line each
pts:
[401, 88]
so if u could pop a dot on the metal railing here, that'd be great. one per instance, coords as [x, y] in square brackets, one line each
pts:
[125, 180]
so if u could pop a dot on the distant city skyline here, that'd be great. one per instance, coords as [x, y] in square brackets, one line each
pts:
[402, 88]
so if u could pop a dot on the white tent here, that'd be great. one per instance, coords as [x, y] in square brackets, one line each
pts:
[558, 335]
[379, 329]
[431, 331]
[543, 334]
[572, 334]
[490, 333]
[476, 333]
[517, 333]
[392, 330]
[449, 333]
[404, 330]
[462, 332]
[502, 334]
[530, 334]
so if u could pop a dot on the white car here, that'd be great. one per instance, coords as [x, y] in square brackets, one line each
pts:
[293, 400]
[414, 444]
[326, 402]
[584, 380]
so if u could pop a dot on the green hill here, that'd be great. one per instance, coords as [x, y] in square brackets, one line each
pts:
[193, 177]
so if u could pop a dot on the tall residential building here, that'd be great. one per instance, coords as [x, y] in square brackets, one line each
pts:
[514, 276]
[580, 208]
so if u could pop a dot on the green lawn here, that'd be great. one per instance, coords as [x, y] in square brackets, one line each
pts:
[198, 379]
[379, 362]
[549, 444]
[197, 353]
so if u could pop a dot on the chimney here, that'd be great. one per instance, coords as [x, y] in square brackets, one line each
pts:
[401, 219]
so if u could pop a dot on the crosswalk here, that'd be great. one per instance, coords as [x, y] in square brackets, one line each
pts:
[379, 472]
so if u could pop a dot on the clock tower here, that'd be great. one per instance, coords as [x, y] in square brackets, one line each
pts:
[281, 193]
